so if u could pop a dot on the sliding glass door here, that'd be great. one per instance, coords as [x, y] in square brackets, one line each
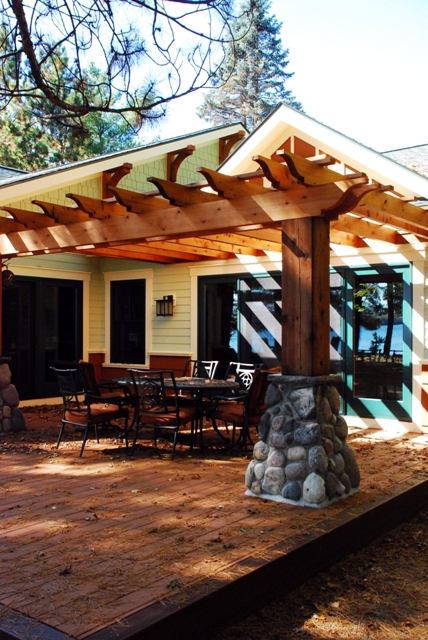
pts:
[42, 327]
[240, 319]
[371, 339]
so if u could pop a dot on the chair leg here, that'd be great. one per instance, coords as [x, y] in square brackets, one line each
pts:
[61, 431]
[174, 442]
[135, 439]
[85, 437]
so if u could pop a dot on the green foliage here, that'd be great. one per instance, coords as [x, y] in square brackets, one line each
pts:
[35, 134]
[251, 82]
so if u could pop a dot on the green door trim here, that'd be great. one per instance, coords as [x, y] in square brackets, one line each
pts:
[369, 407]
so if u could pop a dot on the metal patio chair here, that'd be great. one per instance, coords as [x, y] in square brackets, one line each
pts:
[242, 411]
[89, 413]
[158, 406]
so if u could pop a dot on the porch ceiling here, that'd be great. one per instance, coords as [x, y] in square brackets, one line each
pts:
[217, 218]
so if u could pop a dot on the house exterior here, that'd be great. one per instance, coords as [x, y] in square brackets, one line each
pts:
[88, 285]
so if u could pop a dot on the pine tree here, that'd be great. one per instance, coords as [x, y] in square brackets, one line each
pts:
[35, 135]
[252, 80]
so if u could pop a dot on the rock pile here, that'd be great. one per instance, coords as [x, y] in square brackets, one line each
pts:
[302, 456]
[11, 418]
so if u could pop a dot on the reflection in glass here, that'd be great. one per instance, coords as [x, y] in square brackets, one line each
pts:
[378, 337]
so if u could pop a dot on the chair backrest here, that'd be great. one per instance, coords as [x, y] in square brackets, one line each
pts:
[87, 375]
[68, 388]
[201, 368]
[257, 391]
[242, 372]
[155, 389]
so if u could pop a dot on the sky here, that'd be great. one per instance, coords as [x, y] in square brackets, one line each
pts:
[360, 67]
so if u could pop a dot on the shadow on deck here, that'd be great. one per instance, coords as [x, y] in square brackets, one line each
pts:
[109, 547]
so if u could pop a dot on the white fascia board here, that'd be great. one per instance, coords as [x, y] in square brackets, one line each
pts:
[35, 183]
[285, 121]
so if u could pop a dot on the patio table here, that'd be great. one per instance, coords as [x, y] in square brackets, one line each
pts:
[202, 389]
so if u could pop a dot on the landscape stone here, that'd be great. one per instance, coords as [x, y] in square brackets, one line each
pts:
[351, 465]
[261, 450]
[292, 491]
[296, 453]
[317, 459]
[324, 411]
[5, 375]
[333, 396]
[296, 470]
[304, 403]
[276, 459]
[341, 428]
[273, 480]
[314, 489]
[308, 434]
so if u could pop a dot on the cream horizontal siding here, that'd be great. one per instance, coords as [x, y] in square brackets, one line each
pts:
[91, 188]
[172, 334]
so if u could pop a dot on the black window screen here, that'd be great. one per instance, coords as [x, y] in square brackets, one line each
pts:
[128, 321]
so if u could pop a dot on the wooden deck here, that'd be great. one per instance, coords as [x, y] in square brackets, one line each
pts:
[112, 547]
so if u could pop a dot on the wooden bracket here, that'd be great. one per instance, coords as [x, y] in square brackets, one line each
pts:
[60, 213]
[349, 199]
[277, 173]
[180, 195]
[97, 208]
[174, 160]
[230, 186]
[31, 219]
[112, 177]
[226, 144]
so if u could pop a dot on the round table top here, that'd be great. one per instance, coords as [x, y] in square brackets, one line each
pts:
[191, 383]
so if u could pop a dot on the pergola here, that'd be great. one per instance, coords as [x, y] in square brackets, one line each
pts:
[292, 205]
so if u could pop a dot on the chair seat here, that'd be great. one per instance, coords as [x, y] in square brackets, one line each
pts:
[99, 413]
[234, 412]
[161, 419]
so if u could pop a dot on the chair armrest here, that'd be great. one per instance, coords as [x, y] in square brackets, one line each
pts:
[91, 398]
[112, 386]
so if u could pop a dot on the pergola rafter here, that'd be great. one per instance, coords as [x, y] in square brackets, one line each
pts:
[217, 218]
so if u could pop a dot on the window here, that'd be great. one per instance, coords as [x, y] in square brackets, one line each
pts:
[128, 321]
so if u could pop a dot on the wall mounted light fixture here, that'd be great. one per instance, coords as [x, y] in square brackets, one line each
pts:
[164, 307]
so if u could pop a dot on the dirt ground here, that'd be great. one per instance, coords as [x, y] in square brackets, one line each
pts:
[379, 593]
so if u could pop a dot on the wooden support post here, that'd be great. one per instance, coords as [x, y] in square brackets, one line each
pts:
[305, 297]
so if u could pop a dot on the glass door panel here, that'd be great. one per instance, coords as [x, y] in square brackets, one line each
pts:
[240, 320]
[371, 339]
[42, 327]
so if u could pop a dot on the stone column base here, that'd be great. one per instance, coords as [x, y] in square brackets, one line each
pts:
[302, 457]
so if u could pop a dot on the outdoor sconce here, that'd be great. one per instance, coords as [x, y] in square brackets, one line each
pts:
[164, 307]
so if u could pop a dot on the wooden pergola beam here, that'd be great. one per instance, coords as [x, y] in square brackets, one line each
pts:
[230, 186]
[99, 209]
[31, 219]
[131, 252]
[181, 195]
[241, 214]
[367, 229]
[346, 238]
[139, 202]
[208, 243]
[61, 213]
